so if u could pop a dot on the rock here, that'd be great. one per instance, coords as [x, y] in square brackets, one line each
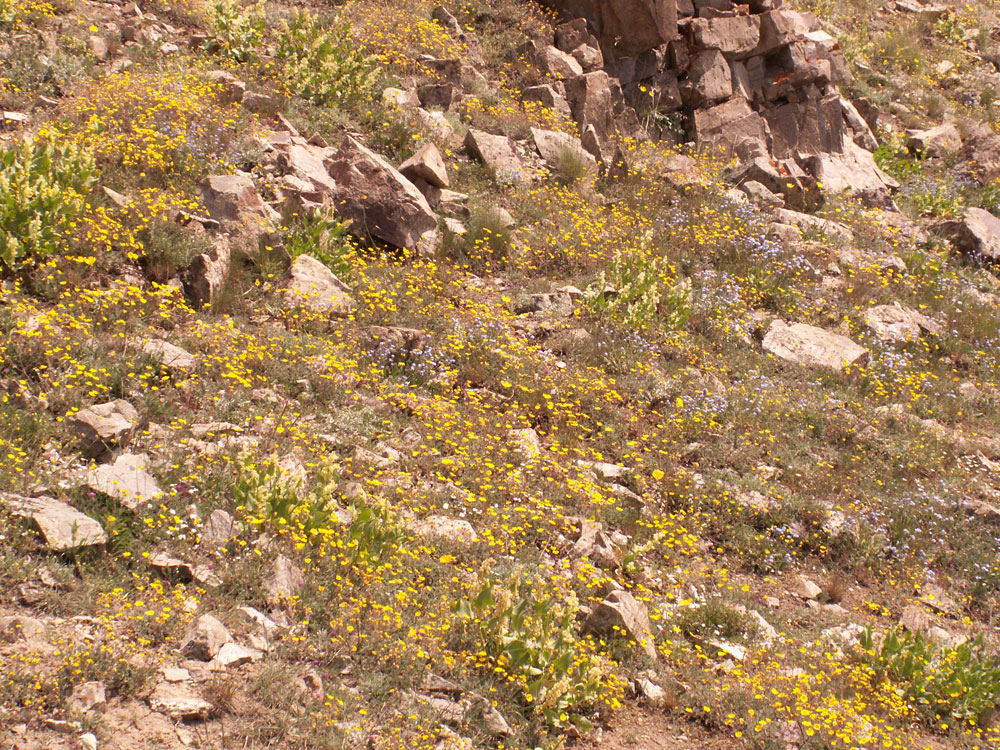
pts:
[207, 274]
[827, 229]
[899, 323]
[232, 198]
[606, 471]
[627, 27]
[937, 598]
[806, 589]
[19, 627]
[590, 58]
[549, 98]
[496, 152]
[176, 674]
[379, 201]
[218, 529]
[650, 691]
[443, 527]
[558, 64]
[205, 638]
[977, 235]
[557, 148]
[88, 696]
[171, 356]
[231, 88]
[105, 426]
[940, 141]
[732, 125]
[427, 165]
[592, 102]
[402, 99]
[88, 740]
[61, 525]
[439, 95]
[621, 609]
[812, 347]
[98, 47]
[709, 79]
[785, 178]
[313, 285]
[175, 569]
[285, 580]
[591, 542]
[916, 620]
[760, 195]
[179, 702]
[233, 655]
[126, 480]
[526, 442]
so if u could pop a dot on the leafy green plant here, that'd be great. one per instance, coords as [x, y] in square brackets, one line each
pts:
[238, 33]
[532, 638]
[269, 496]
[327, 239]
[323, 64]
[43, 190]
[962, 682]
[374, 535]
[942, 202]
[894, 158]
[638, 292]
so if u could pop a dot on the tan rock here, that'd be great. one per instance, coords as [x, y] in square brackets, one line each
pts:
[62, 526]
[313, 285]
[812, 347]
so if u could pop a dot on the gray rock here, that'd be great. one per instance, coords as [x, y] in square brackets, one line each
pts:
[172, 356]
[207, 274]
[88, 696]
[498, 153]
[976, 235]
[126, 480]
[102, 427]
[622, 610]
[313, 285]
[62, 526]
[218, 529]
[899, 323]
[556, 147]
[427, 165]
[179, 702]
[812, 347]
[206, 636]
[935, 142]
[444, 527]
[285, 580]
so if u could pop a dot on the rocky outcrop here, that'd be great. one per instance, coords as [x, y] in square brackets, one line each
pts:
[977, 236]
[754, 81]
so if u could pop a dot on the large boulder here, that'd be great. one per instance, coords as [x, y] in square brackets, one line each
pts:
[900, 323]
[812, 347]
[625, 27]
[556, 147]
[378, 200]
[976, 235]
[709, 79]
[735, 36]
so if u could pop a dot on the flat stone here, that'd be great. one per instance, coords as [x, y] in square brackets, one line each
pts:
[806, 589]
[62, 526]
[444, 527]
[812, 347]
[126, 480]
[172, 356]
[233, 655]
[179, 702]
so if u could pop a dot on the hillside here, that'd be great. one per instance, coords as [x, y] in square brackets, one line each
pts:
[491, 374]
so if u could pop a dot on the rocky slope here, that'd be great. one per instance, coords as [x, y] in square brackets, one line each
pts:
[491, 374]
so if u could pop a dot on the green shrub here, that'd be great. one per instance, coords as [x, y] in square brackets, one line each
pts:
[962, 682]
[637, 292]
[42, 194]
[327, 239]
[238, 33]
[270, 497]
[532, 638]
[323, 65]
